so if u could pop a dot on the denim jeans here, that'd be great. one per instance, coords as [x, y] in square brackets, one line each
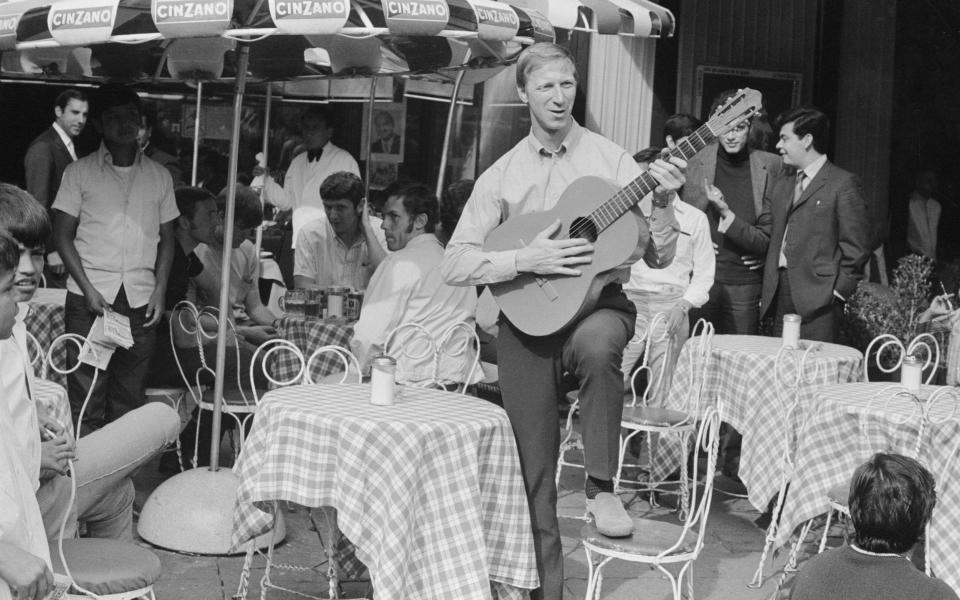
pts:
[106, 461]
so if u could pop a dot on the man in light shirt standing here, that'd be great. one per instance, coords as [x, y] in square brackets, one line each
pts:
[408, 288]
[47, 157]
[308, 170]
[114, 228]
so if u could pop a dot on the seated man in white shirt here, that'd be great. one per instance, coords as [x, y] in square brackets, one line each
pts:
[673, 291]
[24, 555]
[408, 288]
[109, 455]
[346, 246]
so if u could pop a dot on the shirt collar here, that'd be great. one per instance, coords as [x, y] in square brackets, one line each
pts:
[569, 142]
[422, 240]
[105, 158]
[813, 168]
[67, 140]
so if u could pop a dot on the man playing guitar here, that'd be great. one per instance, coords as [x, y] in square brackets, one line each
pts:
[530, 178]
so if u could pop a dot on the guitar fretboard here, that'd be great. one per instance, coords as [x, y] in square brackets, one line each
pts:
[611, 210]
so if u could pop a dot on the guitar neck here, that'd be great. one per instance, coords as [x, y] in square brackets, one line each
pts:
[622, 201]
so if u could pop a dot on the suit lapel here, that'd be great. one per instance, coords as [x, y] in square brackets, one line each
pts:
[817, 183]
[758, 175]
[60, 146]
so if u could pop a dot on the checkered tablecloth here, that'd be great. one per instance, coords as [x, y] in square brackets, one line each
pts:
[832, 447]
[741, 374]
[429, 489]
[53, 397]
[308, 335]
[45, 320]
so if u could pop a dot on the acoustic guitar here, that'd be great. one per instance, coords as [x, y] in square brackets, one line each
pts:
[592, 208]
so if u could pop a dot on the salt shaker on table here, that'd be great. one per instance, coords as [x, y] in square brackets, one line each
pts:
[383, 370]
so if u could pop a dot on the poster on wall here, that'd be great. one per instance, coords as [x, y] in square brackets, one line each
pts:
[382, 174]
[383, 139]
[780, 89]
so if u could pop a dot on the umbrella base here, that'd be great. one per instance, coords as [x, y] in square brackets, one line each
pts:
[193, 512]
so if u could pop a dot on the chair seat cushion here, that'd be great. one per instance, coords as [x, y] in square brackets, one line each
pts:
[232, 400]
[107, 567]
[839, 494]
[654, 416]
[649, 538]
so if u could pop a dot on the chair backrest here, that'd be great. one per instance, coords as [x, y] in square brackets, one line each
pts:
[411, 342]
[271, 350]
[708, 441]
[701, 346]
[36, 353]
[892, 405]
[459, 342]
[349, 362]
[79, 341]
[792, 369]
[888, 354]
[202, 325]
[63, 340]
[656, 333]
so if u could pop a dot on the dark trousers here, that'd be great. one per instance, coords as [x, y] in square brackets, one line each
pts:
[822, 326]
[120, 388]
[531, 369]
[732, 308]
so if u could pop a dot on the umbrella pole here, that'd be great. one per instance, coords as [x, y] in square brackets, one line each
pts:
[366, 176]
[196, 133]
[265, 150]
[225, 308]
[449, 130]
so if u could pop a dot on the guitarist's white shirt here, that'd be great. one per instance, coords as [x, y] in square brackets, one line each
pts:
[528, 178]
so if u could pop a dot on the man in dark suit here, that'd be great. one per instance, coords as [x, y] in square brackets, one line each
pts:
[388, 142]
[48, 155]
[820, 237]
[724, 179]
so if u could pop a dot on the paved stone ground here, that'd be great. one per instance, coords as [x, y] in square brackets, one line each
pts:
[732, 549]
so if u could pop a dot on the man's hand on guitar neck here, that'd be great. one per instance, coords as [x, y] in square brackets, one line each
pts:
[546, 256]
[669, 173]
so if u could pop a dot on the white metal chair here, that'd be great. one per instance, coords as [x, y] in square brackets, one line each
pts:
[410, 343]
[888, 354]
[656, 333]
[459, 342]
[897, 405]
[680, 421]
[660, 543]
[193, 321]
[99, 568]
[792, 369]
[570, 437]
[36, 353]
[350, 363]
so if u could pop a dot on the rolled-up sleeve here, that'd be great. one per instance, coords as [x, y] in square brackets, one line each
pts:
[465, 262]
[704, 262]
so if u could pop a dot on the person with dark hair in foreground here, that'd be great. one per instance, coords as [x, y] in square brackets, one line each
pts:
[891, 500]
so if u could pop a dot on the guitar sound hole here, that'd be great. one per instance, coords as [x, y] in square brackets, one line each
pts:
[583, 227]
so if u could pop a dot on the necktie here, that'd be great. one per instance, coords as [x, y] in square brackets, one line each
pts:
[798, 190]
[313, 155]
